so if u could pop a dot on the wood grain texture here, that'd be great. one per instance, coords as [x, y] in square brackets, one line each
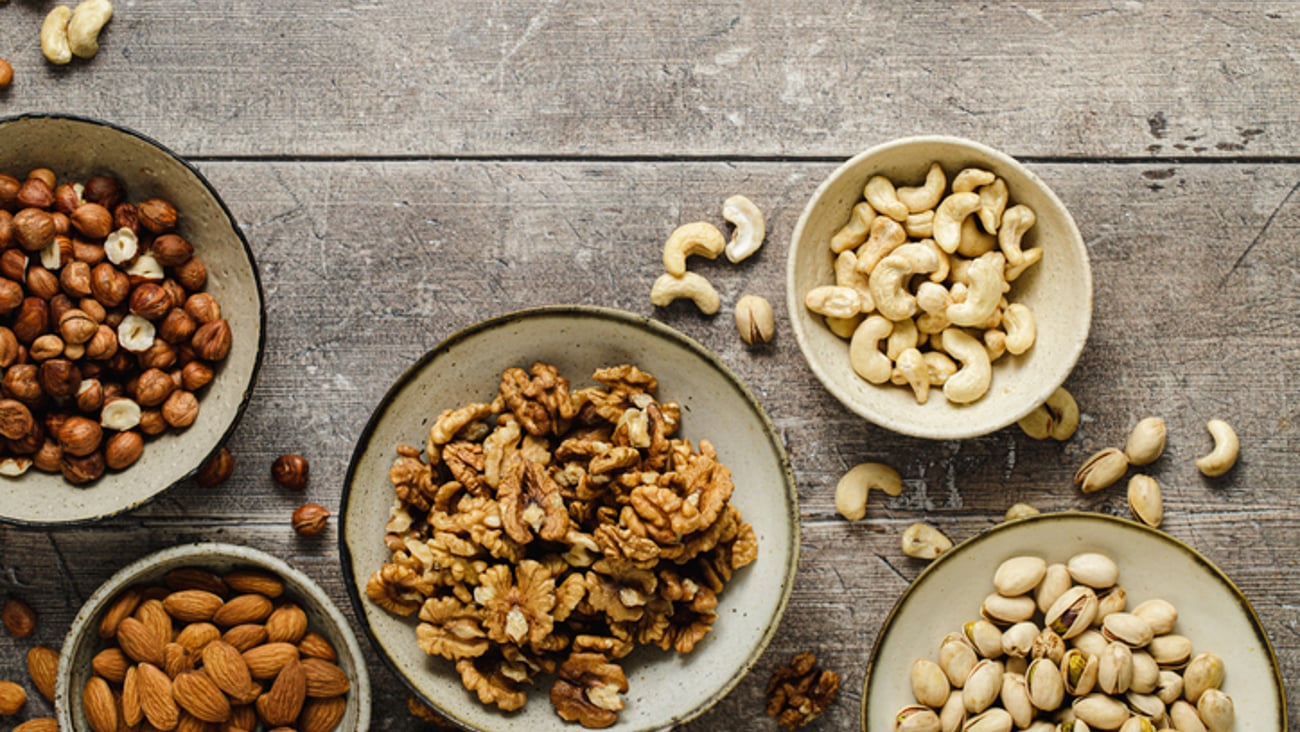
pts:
[367, 265]
[593, 78]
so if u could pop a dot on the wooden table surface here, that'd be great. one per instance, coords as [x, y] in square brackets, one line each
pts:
[402, 170]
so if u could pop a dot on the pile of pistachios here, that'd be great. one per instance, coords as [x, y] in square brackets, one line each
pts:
[1058, 650]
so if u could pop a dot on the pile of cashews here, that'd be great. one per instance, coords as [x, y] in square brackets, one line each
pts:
[928, 274]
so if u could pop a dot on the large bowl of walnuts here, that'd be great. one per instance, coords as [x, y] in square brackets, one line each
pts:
[573, 503]
[131, 320]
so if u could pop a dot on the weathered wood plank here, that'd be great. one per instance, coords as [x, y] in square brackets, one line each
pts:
[719, 78]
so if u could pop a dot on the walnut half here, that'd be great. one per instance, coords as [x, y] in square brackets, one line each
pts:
[797, 694]
[589, 690]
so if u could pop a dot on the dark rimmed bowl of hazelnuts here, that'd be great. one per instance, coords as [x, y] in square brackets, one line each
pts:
[131, 320]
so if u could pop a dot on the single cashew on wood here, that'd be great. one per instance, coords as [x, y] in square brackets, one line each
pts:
[690, 285]
[750, 225]
[54, 36]
[87, 20]
[1226, 447]
[700, 238]
[853, 489]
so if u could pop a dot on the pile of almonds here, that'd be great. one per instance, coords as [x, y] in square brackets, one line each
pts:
[105, 332]
[226, 650]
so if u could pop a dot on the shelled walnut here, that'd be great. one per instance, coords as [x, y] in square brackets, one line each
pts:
[798, 693]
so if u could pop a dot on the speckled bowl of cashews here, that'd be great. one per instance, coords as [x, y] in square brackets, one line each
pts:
[938, 288]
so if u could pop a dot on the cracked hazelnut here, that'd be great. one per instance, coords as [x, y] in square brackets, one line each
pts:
[120, 413]
[135, 334]
[80, 436]
[80, 470]
[217, 469]
[67, 197]
[76, 326]
[33, 319]
[11, 296]
[192, 274]
[290, 472]
[92, 220]
[20, 383]
[310, 519]
[15, 419]
[121, 246]
[203, 307]
[13, 265]
[45, 347]
[56, 253]
[33, 229]
[181, 409]
[123, 449]
[36, 193]
[157, 215]
[171, 250]
[211, 341]
[109, 285]
[102, 345]
[145, 269]
[195, 375]
[152, 387]
[150, 301]
[75, 279]
[105, 190]
[177, 326]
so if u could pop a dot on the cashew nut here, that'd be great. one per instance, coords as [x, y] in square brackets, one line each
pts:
[1015, 222]
[847, 275]
[852, 490]
[880, 193]
[984, 293]
[700, 238]
[852, 234]
[948, 217]
[940, 273]
[1224, 455]
[1019, 511]
[995, 342]
[974, 241]
[971, 178]
[886, 235]
[1018, 322]
[924, 197]
[88, 19]
[993, 201]
[939, 366]
[904, 336]
[910, 364]
[931, 323]
[843, 327]
[889, 280]
[1028, 258]
[833, 300]
[864, 350]
[54, 36]
[933, 298]
[750, 225]
[920, 225]
[1064, 412]
[972, 380]
[690, 285]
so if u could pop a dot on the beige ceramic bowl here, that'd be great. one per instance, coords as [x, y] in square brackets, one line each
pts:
[1212, 612]
[83, 642]
[1058, 290]
[79, 148]
[665, 689]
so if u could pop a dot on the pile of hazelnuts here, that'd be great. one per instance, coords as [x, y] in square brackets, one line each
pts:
[106, 334]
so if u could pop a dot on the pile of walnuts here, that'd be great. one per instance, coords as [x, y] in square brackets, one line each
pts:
[553, 531]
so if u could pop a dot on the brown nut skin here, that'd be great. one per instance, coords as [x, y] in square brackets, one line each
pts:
[45, 347]
[88, 252]
[109, 285]
[6, 229]
[310, 519]
[171, 250]
[8, 348]
[20, 383]
[291, 472]
[150, 300]
[32, 321]
[211, 341]
[80, 436]
[33, 229]
[66, 198]
[152, 422]
[59, 378]
[123, 449]
[49, 458]
[177, 326]
[159, 355]
[6, 74]
[195, 375]
[91, 307]
[105, 190]
[59, 304]
[36, 193]
[82, 470]
[203, 307]
[216, 470]
[103, 344]
[62, 224]
[193, 274]
[126, 216]
[75, 279]
[181, 409]
[11, 296]
[152, 387]
[157, 215]
[9, 186]
[90, 395]
[92, 220]
[42, 283]
[18, 617]
[15, 419]
[13, 265]
[76, 326]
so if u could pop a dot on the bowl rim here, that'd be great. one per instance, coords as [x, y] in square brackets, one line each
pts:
[999, 528]
[613, 314]
[261, 319]
[83, 621]
[955, 429]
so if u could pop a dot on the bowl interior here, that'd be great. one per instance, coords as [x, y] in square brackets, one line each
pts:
[665, 688]
[1058, 290]
[1212, 612]
[77, 149]
[83, 642]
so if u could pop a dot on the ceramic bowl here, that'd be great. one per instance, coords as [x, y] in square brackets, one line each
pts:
[83, 642]
[665, 688]
[1212, 612]
[78, 148]
[1058, 290]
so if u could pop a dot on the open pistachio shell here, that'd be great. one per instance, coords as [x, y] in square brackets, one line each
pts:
[984, 637]
[1078, 672]
[1115, 669]
[916, 718]
[1073, 612]
[1113, 599]
[1146, 705]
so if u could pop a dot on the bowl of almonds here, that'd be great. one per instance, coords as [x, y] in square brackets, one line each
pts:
[938, 288]
[206, 635]
[131, 320]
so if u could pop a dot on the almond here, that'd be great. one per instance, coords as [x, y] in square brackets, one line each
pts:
[42, 665]
[315, 645]
[139, 643]
[322, 715]
[196, 694]
[122, 607]
[195, 578]
[243, 609]
[18, 617]
[282, 703]
[156, 699]
[324, 679]
[225, 666]
[177, 659]
[40, 724]
[12, 698]
[131, 712]
[245, 637]
[111, 663]
[98, 705]
[193, 606]
[190, 723]
[154, 616]
[196, 636]
[267, 660]
[288, 623]
[242, 716]
[255, 582]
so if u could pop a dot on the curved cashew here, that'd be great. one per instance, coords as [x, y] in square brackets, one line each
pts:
[864, 350]
[948, 217]
[1015, 222]
[931, 324]
[700, 238]
[971, 178]
[847, 275]
[995, 342]
[852, 490]
[1037, 424]
[974, 241]
[904, 336]
[1064, 412]
[889, 279]
[1018, 321]
[933, 298]
[886, 235]
[750, 225]
[920, 225]
[88, 19]
[880, 193]
[940, 273]
[985, 291]
[54, 36]
[939, 367]
[972, 380]
[690, 285]
[843, 327]
[1029, 257]
[852, 234]
[924, 197]
[1226, 447]
[993, 201]
[911, 366]
[833, 300]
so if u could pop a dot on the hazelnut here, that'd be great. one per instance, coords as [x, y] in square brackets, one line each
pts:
[310, 519]
[109, 285]
[41, 282]
[62, 224]
[13, 265]
[20, 383]
[88, 252]
[90, 395]
[75, 279]
[44, 175]
[203, 307]
[80, 470]
[33, 229]
[177, 326]
[36, 193]
[290, 472]
[150, 301]
[123, 449]
[49, 457]
[33, 319]
[152, 422]
[57, 253]
[216, 470]
[76, 326]
[175, 291]
[59, 305]
[145, 269]
[157, 215]
[121, 246]
[159, 355]
[102, 345]
[135, 334]
[59, 378]
[181, 409]
[212, 340]
[6, 74]
[8, 348]
[9, 186]
[93, 310]
[195, 375]
[152, 387]
[80, 436]
[171, 250]
[45, 347]
[15, 419]
[67, 197]
[104, 190]
[29, 443]
[125, 216]
[74, 351]
[192, 274]
[11, 296]
[6, 229]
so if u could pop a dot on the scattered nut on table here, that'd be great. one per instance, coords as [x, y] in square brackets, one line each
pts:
[691, 286]
[798, 693]
[291, 472]
[54, 35]
[18, 617]
[854, 488]
[1146, 442]
[751, 227]
[1101, 470]
[87, 20]
[310, 519]
[1144, 500]
[923, 541]
[6, 74]
[1020, 510]
[755, 320]
[1057, 417]
[1226, 448]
